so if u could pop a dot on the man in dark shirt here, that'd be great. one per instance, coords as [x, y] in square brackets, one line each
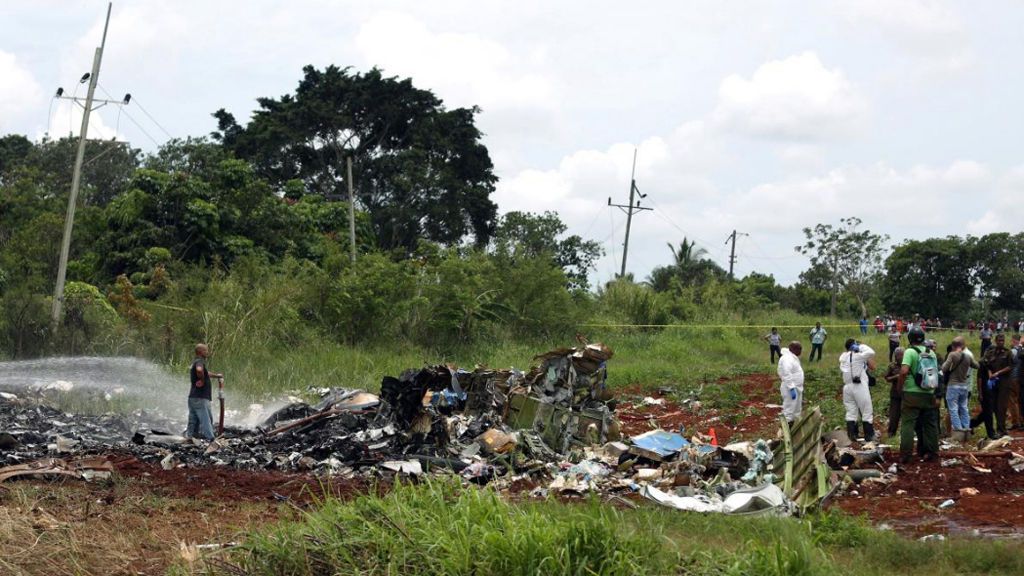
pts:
[892, 375]
[996, 365]
[200, 416]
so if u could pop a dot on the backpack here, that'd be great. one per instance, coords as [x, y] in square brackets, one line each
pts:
[927, 376]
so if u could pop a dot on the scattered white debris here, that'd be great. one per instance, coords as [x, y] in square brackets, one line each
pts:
[59, 385]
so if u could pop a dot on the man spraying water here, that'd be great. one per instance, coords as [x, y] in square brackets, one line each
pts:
[200, 396]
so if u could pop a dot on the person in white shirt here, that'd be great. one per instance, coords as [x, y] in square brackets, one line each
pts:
[774, 340]
[854, 365]
[792, 375]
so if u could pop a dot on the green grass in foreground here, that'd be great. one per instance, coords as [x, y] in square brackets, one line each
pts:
[441, 528]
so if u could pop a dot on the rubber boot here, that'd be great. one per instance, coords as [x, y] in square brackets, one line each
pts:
[851, 430]
[869, 432]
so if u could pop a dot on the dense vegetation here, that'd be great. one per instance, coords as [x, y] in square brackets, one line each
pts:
[242, 240]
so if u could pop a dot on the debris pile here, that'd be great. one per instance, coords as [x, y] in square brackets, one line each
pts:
[549, 431]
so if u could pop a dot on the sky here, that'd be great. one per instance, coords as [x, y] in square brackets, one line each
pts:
[762, 117]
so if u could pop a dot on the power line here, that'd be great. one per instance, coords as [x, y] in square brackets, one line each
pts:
[597, 215]
[630, 209]
[143, 130]
[148, 115]
[132, 119]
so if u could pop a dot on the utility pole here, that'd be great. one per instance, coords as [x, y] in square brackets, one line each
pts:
[732, 253]
[351, 210]
[630, 209]
[76, 179]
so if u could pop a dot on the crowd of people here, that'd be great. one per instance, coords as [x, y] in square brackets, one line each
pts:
[921, 380]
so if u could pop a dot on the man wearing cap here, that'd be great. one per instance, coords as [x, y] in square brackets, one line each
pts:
[854, 366]
[918, 404]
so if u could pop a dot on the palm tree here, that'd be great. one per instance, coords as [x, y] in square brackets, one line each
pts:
[687, 255]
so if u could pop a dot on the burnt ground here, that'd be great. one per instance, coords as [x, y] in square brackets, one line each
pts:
[229, 484]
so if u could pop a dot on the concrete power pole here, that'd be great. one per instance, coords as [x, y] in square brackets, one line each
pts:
[351, 210]
[630, 209]
[732, 253]
[76, 179]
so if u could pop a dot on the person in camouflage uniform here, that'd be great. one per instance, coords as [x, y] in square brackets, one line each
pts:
[996, 364]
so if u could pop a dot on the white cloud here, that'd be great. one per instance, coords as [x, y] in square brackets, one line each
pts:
[19, 92]
[922, 199]
[794, 98]
[1007, 211]
[465, 68]
[671, 170]
[927, 29]
[66, 120]
[923, 17]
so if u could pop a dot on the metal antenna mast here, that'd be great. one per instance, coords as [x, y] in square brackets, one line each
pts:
[76, 179]
[630, 209]
[732, 253]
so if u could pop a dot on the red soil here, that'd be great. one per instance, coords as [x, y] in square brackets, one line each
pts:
[228, 484]
[751, 419]
[910, 504]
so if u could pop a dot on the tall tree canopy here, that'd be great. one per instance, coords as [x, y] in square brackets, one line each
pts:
[930, 277]
[852, 256]
[999, 267]
[419, 169]
[526, 235]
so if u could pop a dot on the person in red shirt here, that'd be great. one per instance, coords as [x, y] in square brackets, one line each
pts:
[900, 326]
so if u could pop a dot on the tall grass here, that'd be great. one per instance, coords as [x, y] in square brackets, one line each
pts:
[440, 528]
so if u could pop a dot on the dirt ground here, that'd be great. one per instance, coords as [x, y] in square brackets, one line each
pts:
[755, 416]
[144, 519]
[910, 505]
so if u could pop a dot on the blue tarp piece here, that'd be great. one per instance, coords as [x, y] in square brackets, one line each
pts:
[660, 442]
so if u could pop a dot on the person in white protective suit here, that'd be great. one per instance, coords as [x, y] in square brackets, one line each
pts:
[792, 375]
[855, 365]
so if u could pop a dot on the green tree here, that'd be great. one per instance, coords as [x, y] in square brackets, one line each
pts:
[931, 277]
[106, 172]
[523, 235]
[14, 150]
[999, 268]
[420, 170]
[690, 267]
[852, 257]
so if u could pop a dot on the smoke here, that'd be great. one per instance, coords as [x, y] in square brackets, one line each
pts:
[121, 384]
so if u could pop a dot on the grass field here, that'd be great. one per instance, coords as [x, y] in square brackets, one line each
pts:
[441, 529]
